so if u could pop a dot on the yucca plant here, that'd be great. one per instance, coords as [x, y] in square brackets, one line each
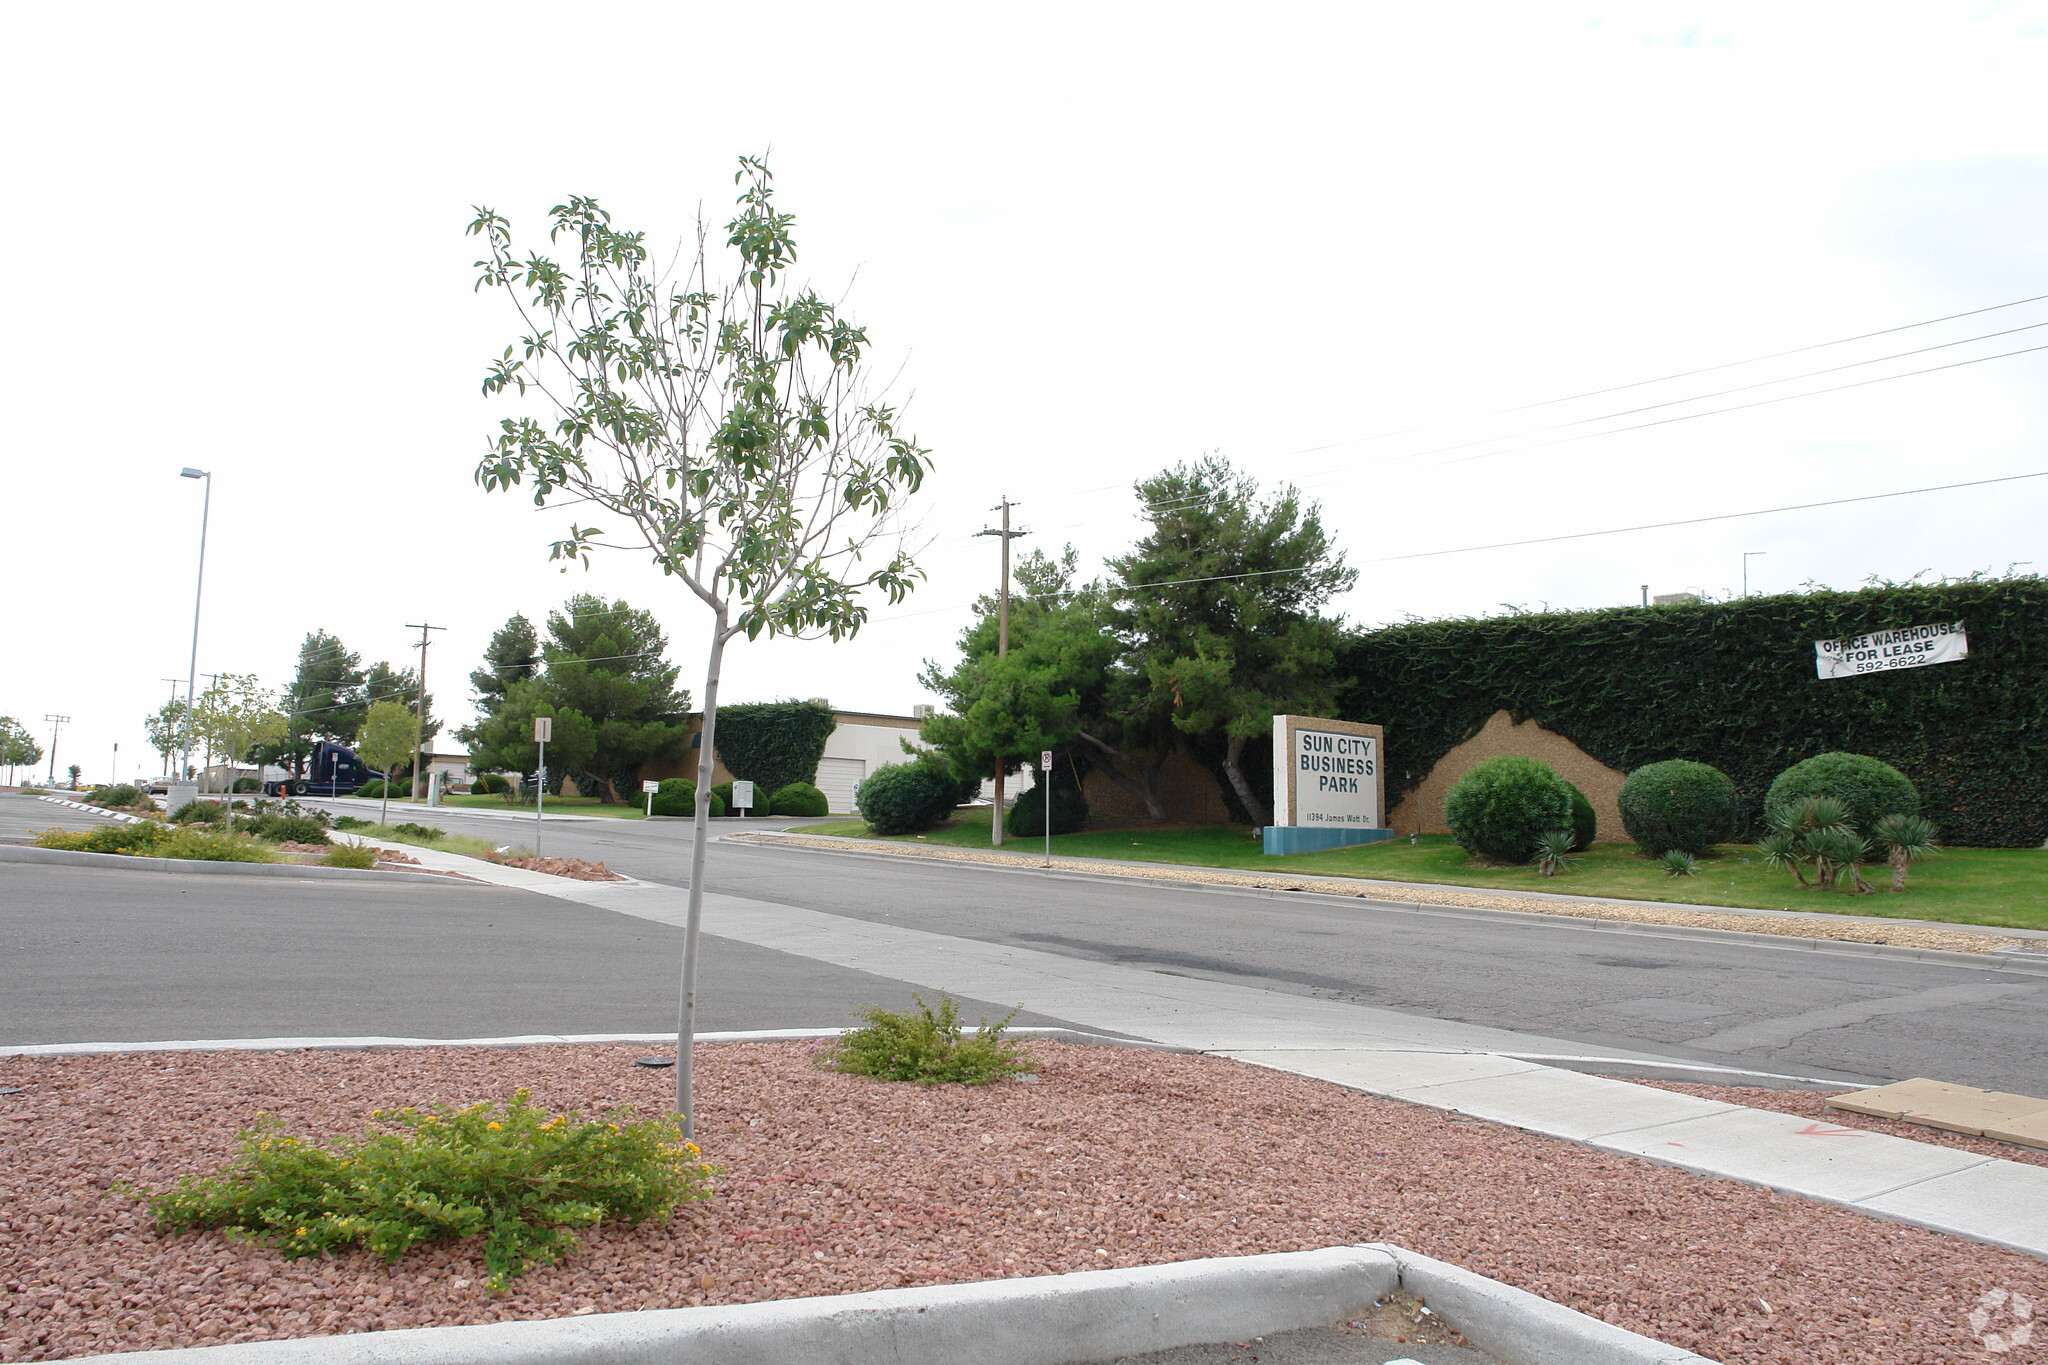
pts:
[1678, 863]
[1838, 854]
[1797, 833]
[1551, 851]
[1906, 839]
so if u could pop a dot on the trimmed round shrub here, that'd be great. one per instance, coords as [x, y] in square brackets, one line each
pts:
[1869, 788]
[1585, 820]
[1501, 807]
[678, 796]
[801, 798]
[373, 790]
[904, 798]
[124, 794]
[490, 784]
[1678, 806]
[1026, 819]
[291, 829]
[246, 784]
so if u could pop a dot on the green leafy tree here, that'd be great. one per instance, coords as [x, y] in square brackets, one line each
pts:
[504, 741]
[18, 748]
[1063, 686]
[326, 698]
[727, 429]
[389, 732]
[235, 715]
[512, 656]
[1219, 611]
[165, 728]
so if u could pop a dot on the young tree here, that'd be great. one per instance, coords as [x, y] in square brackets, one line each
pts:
[235, 714]
[728, 429]
[512, 656]
[165, 729]
[389, 732]
[18, 748]
[1219, 609]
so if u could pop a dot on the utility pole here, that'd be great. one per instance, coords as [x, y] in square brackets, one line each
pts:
[57, 723]
[419, 738]
[1748, 555]
[995, 823]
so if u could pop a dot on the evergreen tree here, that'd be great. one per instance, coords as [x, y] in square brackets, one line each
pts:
[323, 702]
[512, 656]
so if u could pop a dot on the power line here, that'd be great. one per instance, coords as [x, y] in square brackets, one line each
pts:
[1724, 516]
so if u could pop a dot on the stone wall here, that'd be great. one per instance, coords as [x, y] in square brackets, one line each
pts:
[1501, 735]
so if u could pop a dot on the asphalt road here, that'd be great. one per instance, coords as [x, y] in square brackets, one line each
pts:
[1712, 1000]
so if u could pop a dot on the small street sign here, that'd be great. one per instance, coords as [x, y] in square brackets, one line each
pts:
[543, 729]
[1045, 760]
[650, 787]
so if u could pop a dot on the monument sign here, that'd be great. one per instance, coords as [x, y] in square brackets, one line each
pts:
[1329, 784]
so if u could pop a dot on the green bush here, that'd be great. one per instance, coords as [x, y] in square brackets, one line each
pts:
[926, 1047]
[904, 798]
[1026, 819]
[802, 799]
[351, 822]
[678, 796]
[490, 784]
[510, 1175]
[138, 840]
[1585, 821]
[1678, 804]
[775, 743]
[1868, 788]
[420, 834]
[199, 813]
[213, 846]
[375, 790]
[1502, 806]
[350, 855]
[246, 784]
[291, 829]
[115, 797]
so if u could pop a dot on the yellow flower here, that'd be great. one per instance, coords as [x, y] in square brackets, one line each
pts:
[300, 1233]
[497, 1127]
[693, 1149]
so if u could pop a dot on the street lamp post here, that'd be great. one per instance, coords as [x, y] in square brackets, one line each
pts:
[198, 592]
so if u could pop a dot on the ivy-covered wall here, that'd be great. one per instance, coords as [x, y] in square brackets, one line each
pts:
[1733, 684]
[773, 743]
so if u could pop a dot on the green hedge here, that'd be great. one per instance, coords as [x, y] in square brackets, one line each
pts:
[1502, 806]
[1732, 684]
[1678, 805]
[801, 798]
[904, 798]
[773, 743]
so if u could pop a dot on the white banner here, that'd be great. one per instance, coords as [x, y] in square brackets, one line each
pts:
[1883, 650]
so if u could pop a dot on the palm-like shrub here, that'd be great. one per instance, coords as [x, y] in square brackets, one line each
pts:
[1678, 863]
[1905, 839]
[1677, 804]
[1501, 807]
[1868, 788]
[1554, 850]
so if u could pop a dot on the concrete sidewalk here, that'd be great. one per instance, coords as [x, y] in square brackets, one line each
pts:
[1487, 1073]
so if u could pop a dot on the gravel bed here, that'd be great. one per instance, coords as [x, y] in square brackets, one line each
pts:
[576, 869]
[1813, 1105]
[834, 1184]
[1848, 931]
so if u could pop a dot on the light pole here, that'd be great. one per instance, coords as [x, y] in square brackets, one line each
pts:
[57, 724]
[198, 592]
[1748, 555]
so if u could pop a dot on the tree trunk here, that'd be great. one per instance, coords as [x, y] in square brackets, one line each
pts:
[1898, 861]
[700, 836]
[608, 792]
[1233, 750]
[1144, 788]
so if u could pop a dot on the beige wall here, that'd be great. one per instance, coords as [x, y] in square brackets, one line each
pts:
[1502, 735]
[1186, 789]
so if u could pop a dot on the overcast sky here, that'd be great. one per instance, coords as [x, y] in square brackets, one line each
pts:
[1096, 239]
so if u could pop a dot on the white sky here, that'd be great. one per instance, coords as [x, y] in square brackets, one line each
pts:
[1097, 238]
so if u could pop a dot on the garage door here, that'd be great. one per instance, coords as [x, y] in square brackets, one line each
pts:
[837, 777]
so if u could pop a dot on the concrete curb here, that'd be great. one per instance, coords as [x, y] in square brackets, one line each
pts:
[1091, 1315]
[376, 1043]
[2031, 964]
[89, 809]
[63, 857]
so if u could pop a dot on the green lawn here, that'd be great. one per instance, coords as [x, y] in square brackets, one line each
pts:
[2007, 887]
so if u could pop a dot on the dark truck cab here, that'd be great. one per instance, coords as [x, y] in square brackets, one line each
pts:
[334, 770]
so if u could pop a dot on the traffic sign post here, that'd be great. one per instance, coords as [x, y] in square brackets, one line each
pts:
[650, 788]
[543, 731]
[1045, 781]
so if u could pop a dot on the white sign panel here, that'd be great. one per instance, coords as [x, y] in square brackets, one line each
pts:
[543, 729]
[1884, 650]
[649, 786]
[743, 795]
[1327, 773]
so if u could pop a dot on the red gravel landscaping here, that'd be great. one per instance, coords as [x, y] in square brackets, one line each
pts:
[836, 1183]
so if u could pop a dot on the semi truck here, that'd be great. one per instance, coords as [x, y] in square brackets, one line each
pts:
[334, 770]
